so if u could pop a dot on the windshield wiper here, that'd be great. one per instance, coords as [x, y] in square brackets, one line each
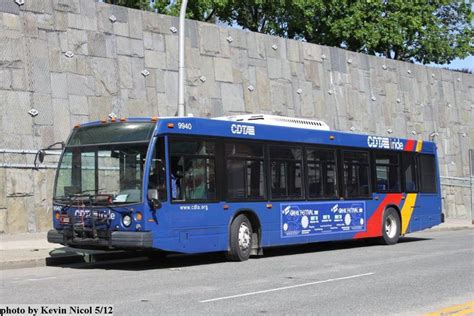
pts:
[83, 196]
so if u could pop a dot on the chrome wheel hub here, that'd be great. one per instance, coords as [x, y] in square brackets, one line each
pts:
[244, 237]
[390, 226]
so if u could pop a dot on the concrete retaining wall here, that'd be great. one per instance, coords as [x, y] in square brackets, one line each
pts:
[228, 71]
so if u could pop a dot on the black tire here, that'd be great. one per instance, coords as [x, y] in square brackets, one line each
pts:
[391, 227]
[240, 239]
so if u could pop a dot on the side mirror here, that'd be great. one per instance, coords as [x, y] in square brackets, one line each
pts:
[41, 155]
[155, 204]
[153, 199]
[152, 194]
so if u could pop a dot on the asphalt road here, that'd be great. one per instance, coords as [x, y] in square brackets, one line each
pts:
[425, 272]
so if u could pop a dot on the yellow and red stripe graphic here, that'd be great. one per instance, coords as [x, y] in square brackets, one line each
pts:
[409, 145]
[413, 145]
[419, 146]
[407, 211]
[374, 224]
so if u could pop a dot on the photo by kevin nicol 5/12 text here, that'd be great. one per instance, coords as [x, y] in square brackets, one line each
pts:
[55, 309]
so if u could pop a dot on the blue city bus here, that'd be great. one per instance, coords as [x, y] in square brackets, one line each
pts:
[237, 185]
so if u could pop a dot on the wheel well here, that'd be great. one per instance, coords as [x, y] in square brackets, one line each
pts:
[254, 221]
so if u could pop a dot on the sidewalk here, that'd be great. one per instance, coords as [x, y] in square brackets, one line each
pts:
[24, 250]
[454, 224]
[33, 250]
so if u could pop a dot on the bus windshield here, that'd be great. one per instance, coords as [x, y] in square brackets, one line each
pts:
[105, 161]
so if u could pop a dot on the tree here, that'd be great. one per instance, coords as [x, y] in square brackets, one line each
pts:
[424, 31]
[255, 15]
[201, 10]
[135, 4]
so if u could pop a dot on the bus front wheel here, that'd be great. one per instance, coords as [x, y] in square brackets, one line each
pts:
[390, 227]
[240, 241]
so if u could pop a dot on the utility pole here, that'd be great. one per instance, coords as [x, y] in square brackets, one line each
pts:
[182, 14]
[471, 182]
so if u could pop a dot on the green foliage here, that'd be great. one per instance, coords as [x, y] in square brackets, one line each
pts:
[425, 31]
[202, 10]
[135, 4]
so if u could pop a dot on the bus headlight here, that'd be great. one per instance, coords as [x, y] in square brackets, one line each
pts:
[126, 220]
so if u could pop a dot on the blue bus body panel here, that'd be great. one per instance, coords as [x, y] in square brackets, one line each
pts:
[204, 227]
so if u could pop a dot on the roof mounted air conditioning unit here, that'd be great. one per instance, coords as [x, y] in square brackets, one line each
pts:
[277, 121]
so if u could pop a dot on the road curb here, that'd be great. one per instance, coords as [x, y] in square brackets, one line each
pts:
[452, 228]
[21, 264]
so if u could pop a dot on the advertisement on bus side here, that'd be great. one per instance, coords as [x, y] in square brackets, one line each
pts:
[307, 219]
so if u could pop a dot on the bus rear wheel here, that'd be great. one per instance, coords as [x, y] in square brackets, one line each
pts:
[240, 241]
[391, 227]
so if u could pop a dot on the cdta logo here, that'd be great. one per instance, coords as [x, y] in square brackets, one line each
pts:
[384, 142]
[378, 142]
[242, 129]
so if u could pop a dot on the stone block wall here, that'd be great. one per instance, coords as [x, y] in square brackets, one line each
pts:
[70, 62]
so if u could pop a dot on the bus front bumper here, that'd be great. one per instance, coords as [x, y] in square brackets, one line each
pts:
[118, 240]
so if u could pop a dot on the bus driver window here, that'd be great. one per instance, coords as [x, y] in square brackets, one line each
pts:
[157, 178]
[192, 169]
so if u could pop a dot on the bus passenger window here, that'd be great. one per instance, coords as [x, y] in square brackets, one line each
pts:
[387, 173]
[192, 170]
[245, 172]
[286, 172]
[409, 172]
[356, 174]
[427, 167]
[321, 165]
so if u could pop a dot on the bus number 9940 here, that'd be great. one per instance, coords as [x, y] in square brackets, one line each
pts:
[187, 126]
